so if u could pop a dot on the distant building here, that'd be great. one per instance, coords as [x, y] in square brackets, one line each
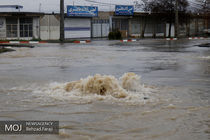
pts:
[84, 22]
[15, 24]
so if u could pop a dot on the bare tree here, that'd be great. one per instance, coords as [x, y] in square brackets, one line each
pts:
[141, 5]
[200, 6]
[166, 7]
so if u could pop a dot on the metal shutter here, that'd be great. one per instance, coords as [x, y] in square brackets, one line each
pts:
[77, 28]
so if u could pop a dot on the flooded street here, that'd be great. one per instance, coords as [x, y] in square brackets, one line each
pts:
[152, 89]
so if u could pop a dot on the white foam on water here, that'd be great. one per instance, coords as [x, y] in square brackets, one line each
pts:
[131, 82]
[126, 89]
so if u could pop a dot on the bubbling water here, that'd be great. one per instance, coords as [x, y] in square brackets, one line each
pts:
[130, 81]
[100, 87]
[106, 85]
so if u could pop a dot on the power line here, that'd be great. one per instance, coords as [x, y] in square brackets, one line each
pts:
[93, 1]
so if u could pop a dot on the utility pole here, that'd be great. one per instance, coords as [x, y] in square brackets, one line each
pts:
[176, 20]
[61, 20]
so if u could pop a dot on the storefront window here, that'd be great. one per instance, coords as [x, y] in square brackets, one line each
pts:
[120, 24]
[26, 28]
[12, 27]
[135, 27]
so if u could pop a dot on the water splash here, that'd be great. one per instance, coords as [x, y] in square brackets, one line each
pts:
[98, 84]
[126, 89]
[130, 81]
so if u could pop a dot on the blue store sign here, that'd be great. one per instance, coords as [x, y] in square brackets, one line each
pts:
[124, 10]
[82, 11]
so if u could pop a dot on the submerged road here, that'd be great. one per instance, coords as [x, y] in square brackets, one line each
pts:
[172, 100]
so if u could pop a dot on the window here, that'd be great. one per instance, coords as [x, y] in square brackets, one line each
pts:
[120, 24]
[124, 24]
[26, 28]
[135, 28]
[12, 27]
[160, 28]
[116, 24]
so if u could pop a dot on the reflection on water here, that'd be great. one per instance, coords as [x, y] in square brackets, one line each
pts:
[170, 101]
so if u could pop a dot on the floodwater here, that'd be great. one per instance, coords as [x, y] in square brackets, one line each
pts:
[144, 90]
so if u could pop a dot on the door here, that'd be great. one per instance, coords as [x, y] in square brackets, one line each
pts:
[100, 28]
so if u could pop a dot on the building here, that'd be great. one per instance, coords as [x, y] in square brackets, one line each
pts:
[77, 23]
[19, 25]
[50, 27]
[145, 24]
[155, 25]
[85, 22]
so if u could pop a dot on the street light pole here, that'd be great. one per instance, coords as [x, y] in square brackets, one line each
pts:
[61, 20]
[176, 20]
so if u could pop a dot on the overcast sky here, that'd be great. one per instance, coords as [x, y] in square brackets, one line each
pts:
[53, 5]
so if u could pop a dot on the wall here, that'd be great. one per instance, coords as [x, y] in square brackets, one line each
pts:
[9, 9]
[49, 27]
[36, 34]
[100, 28]
[135, 29]
[2, 28]
[208, 23]
[149, 29]
[182, 30]
[104, 15]
[201, 27]
[197, 26]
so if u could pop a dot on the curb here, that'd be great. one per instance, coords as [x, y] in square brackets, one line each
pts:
[22, 42]
[128, 40]
[82, 42]
[37, 42]
[190, 38]
[171, 39]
